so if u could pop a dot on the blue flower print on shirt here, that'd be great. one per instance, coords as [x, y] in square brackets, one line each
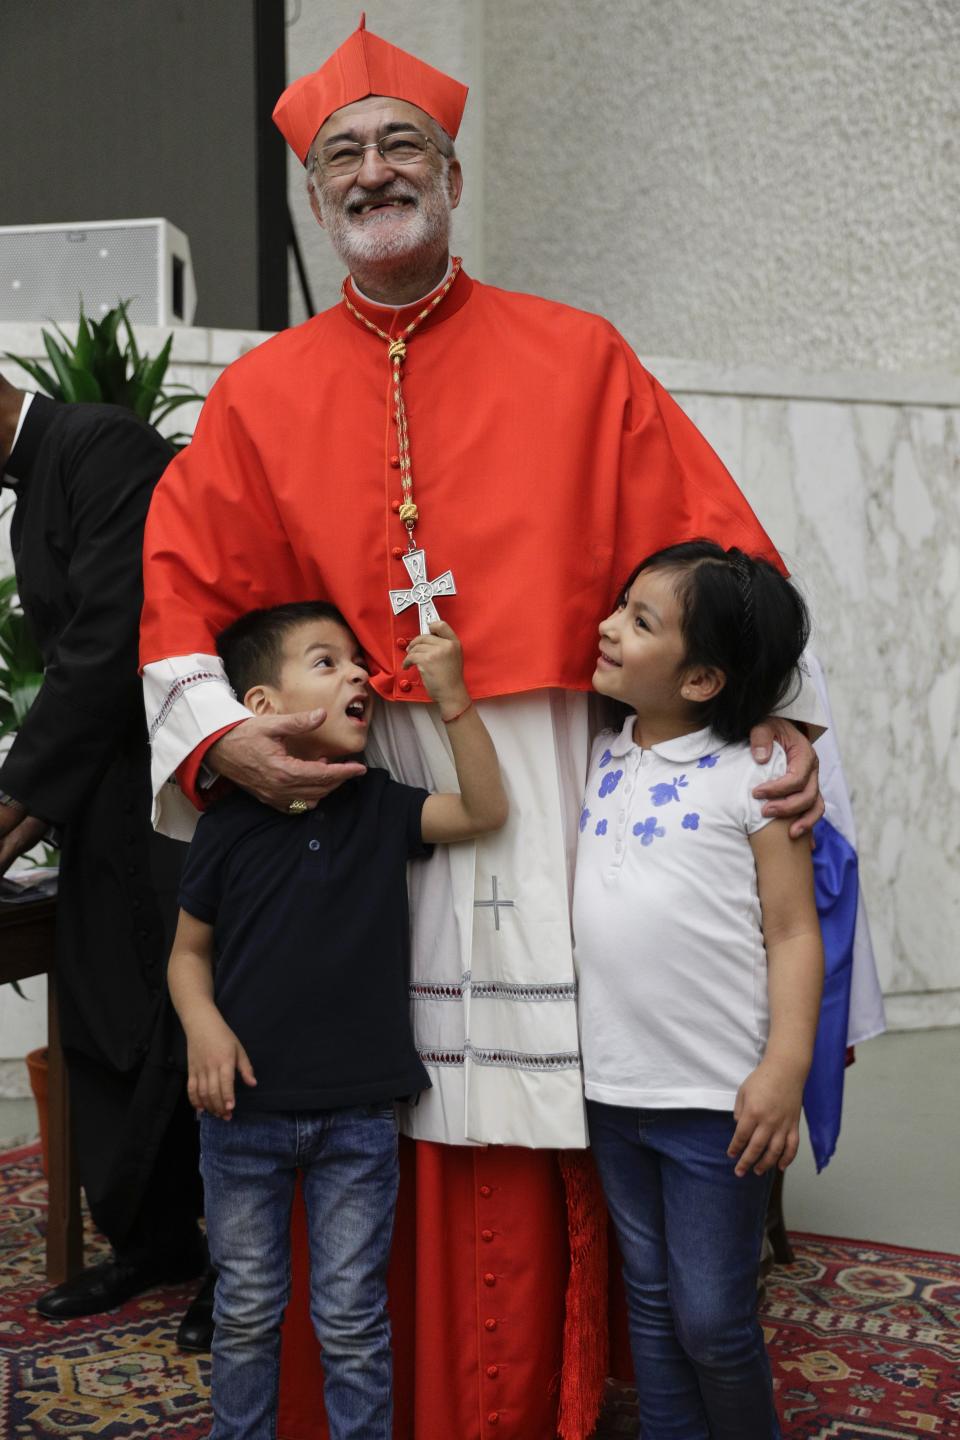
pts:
[691, 822]
[706, 762]
[605, 759]
[648, 829]
[663, 793]
[601, 827]
[610, 782]
[584, 817]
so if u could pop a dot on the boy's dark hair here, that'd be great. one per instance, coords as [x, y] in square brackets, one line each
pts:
[742, 616]
[252, 647]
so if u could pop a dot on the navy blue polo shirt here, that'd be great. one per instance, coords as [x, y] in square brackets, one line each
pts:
[311, 941]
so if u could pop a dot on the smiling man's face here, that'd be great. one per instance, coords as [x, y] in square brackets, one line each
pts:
[382, 212]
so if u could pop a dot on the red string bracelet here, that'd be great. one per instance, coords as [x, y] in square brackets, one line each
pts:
[449, 719]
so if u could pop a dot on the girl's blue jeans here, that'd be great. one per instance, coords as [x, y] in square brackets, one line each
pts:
[350, 1173]
[690, 1234]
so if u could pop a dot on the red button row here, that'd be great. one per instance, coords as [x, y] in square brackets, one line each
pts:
[490, 1279]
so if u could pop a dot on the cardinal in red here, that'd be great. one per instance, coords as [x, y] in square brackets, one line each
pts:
[431, 445]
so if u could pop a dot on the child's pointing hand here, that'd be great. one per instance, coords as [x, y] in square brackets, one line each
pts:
[439, 659]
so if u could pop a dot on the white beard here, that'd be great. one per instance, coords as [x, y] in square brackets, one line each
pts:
[425, 229]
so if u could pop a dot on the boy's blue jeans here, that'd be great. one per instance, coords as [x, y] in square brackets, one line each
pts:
[350, 1173]
[690, 1234]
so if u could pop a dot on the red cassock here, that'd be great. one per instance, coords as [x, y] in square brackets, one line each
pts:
[546, 463]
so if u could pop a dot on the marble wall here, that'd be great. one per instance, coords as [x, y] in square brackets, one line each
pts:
[863, 501]
[857, 478]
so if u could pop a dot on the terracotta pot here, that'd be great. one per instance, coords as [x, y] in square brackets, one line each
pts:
[37, 1067]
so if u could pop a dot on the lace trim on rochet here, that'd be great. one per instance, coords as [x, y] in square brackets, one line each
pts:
[514, 1059]
[492, 990]
[177, 689]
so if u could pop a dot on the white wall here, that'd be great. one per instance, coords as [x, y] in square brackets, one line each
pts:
[757, 181]
[748, 181]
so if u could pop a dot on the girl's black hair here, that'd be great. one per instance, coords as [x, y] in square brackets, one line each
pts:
[740, 615]
[252, 647]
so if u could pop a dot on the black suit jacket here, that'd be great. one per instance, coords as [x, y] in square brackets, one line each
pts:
[84, 476]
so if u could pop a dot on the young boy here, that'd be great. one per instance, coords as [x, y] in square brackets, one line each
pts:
[290, 967]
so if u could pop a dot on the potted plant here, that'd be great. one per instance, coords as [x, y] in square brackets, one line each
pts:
[104, 364]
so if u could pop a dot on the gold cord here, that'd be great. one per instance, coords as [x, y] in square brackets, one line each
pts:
[396, 354]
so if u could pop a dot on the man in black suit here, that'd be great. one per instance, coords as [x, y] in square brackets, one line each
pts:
[82, 477]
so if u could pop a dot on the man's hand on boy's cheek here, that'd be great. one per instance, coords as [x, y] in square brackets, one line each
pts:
[254, 756]
[796, 795]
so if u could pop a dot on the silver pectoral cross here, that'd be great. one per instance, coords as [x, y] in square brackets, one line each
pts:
[423, 591]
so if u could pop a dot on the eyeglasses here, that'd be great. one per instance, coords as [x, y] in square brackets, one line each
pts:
[402, 147]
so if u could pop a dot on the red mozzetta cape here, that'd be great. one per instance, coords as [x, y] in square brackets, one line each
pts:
[546, 463]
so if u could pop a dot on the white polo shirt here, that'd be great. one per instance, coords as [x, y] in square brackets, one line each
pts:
[668, 947]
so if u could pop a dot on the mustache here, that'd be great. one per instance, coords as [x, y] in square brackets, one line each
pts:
[358, 195]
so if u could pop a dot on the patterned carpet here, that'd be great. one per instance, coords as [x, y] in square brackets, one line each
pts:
[114, 1377]
[865, 1341]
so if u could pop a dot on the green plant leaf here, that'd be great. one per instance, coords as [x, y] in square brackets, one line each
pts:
[151, 381]
[43, 377]
[109, 363]
[76, 383]
[86, 385]
[18, 650]
[173, 402]
[109, 326]
[99, 365]
[23, 695]
[131, 338]
[69, 346]
[83, 350]
[61, 367]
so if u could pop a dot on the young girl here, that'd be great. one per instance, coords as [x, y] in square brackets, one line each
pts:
[700, 965]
